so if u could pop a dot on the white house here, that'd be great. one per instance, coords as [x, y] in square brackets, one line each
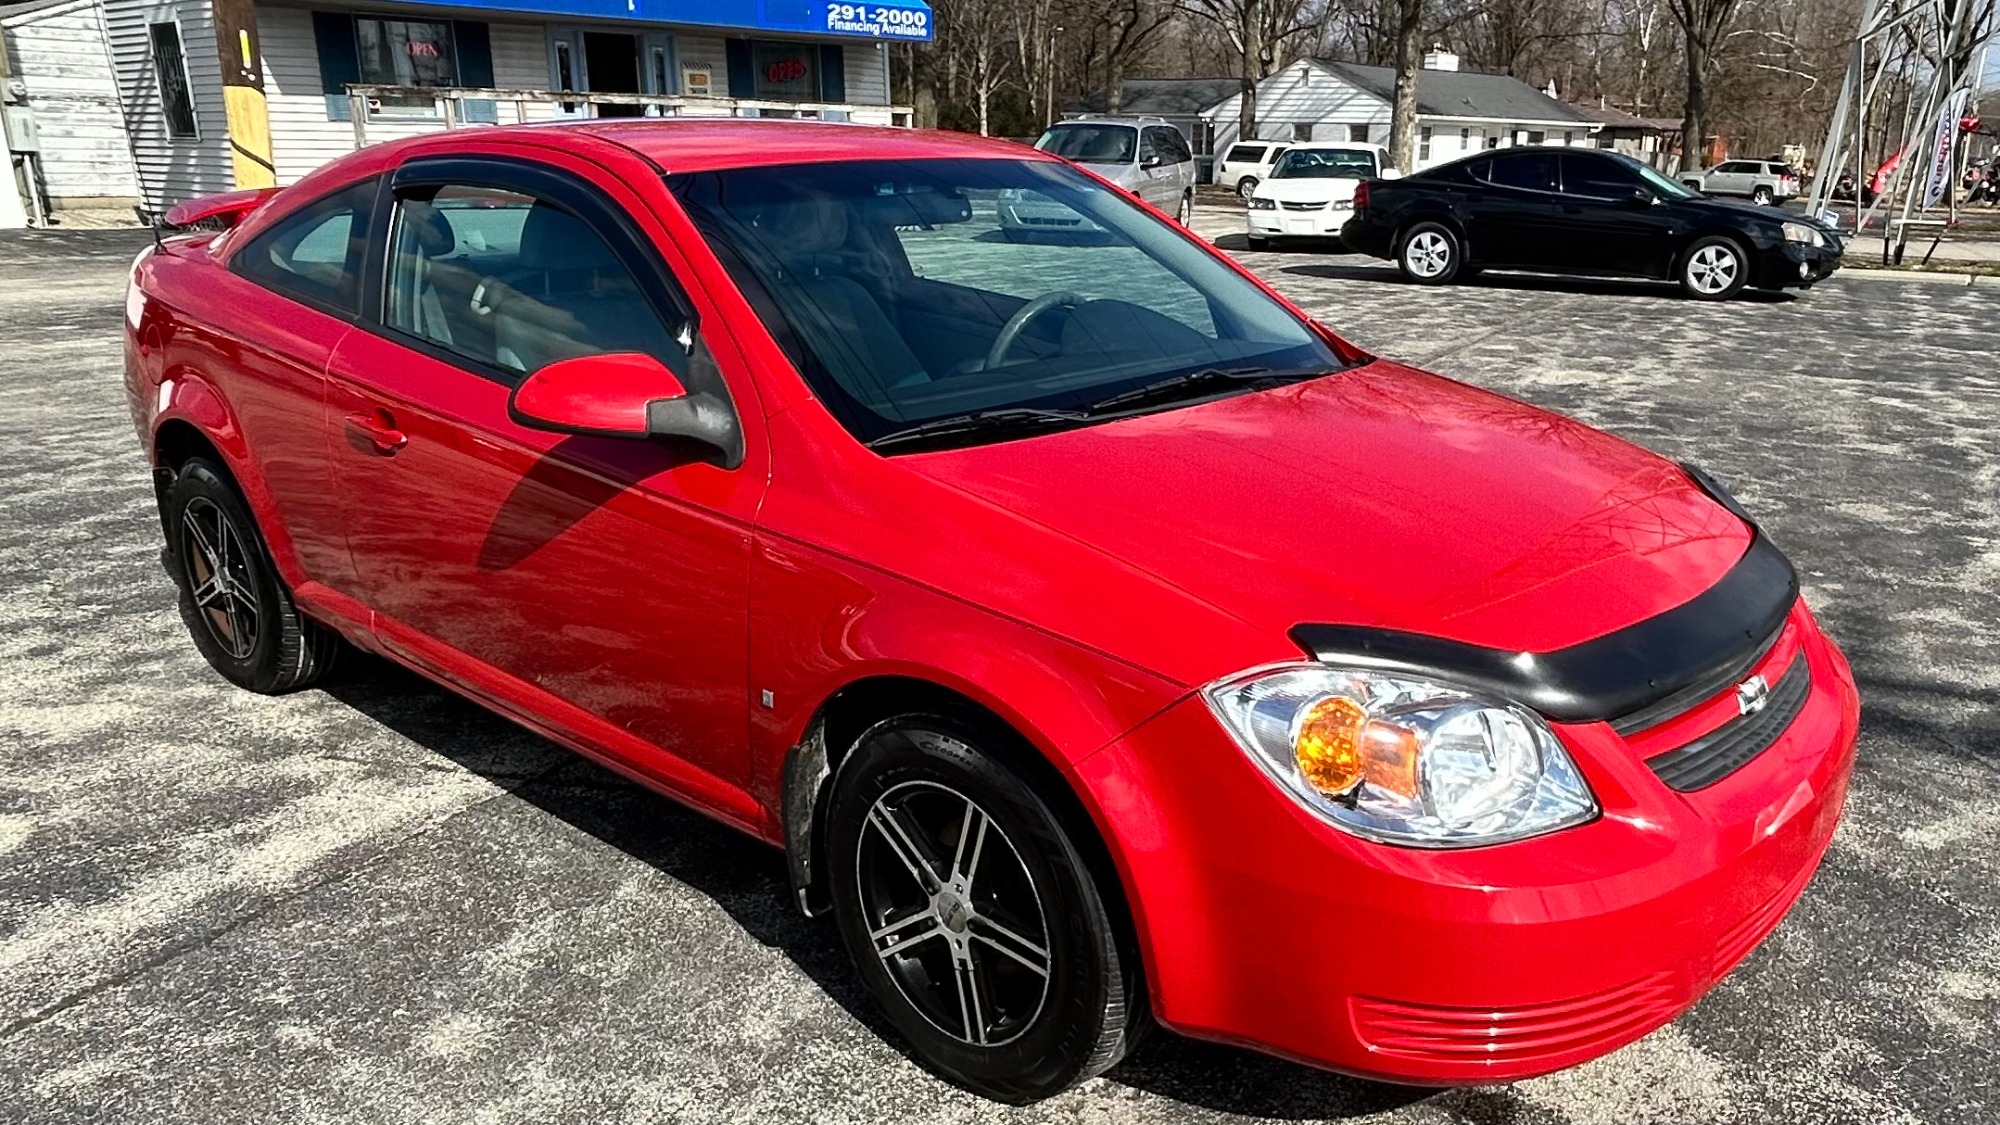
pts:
[65, 129]
[1457, 111]
[222, 94]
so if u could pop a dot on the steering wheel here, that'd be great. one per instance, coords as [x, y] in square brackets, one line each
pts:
[1011, 331]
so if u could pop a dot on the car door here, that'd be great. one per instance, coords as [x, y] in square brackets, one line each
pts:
[1519, 220]
[1615, 224]
[1158, 176]
[1732, 177]
[292, 292]
[597, 584]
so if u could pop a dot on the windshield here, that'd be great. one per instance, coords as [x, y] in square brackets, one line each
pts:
[1325, 164]
[915, 290]
[1091, 144]
[1659, 182]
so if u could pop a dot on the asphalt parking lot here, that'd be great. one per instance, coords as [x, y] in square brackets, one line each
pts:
[375, 902]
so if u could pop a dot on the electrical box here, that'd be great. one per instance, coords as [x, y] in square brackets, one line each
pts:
[23, 135]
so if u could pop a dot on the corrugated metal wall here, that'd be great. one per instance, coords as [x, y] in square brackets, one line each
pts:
[60, 55]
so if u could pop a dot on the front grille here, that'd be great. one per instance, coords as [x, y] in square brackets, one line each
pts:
[1303, 206]
[1523, 1034]
[1725, 750]
[1038, 221]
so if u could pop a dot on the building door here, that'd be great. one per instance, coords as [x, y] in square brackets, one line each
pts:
[611, 62]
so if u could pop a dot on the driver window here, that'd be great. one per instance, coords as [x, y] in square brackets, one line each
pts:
[1019, 239]
[513, 282]
[1598, 179]
[316, 254]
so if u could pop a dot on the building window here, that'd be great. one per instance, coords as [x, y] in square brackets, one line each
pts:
[1302, 132]
[405, 53]
[1569, 138]
[1537, 136]
[785, 71]
[170, 71]
[1358, 133]
[1424, 143]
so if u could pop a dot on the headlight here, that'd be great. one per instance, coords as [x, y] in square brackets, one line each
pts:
[1257, 203]
[1403, 761]
[1799, 232]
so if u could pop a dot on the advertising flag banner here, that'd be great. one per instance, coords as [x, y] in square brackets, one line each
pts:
[1943, 144]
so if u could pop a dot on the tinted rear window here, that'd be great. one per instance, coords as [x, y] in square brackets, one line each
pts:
[1249, 154]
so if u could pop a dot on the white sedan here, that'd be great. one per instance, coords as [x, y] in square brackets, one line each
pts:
[1310, 192]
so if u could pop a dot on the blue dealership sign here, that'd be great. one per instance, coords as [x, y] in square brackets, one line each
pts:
[905, 20]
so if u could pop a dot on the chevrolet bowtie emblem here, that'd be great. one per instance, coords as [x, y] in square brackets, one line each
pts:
[1752, 694]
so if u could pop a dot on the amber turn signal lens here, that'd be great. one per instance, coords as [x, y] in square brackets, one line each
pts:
[1328, 745]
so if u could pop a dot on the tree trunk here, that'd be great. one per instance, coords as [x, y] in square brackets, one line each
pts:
[1409, 61]
[1246, 110]
[1694, 119]
[1114, 83]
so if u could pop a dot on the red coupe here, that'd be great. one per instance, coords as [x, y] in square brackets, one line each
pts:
[1102, 639]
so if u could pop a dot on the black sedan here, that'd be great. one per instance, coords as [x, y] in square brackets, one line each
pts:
[1582, 211]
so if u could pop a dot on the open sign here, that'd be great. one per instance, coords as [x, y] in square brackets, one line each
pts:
[785, 70]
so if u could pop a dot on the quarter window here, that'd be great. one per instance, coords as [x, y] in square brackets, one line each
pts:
[315, 254]
[1246, 154]
[170, 71]
[513, 282]
[1535, 171]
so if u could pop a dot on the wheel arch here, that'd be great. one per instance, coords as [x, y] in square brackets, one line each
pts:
[836, 727]
[1445, 219]
[195, 420]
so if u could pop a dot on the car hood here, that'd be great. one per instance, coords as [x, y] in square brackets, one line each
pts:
[1306, 190]
[1380, 496]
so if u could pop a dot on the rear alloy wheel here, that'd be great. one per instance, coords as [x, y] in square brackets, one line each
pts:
[1714, 269]
[1245, 186]
[1429, 254]
[1761, 197]
[971, 916]
[236, 607]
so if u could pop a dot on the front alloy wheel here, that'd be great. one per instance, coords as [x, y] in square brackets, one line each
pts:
[1246, 186]
[1714, 269]
[971, 914]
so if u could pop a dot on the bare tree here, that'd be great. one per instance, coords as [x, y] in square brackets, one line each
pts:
[1409, 16]
[1130, 28]
[974, 43]
[1704, 24]
[1259, 30]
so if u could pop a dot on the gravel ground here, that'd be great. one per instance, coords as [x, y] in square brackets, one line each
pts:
[376, 902]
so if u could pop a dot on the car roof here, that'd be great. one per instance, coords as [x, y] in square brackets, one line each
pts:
[1331, 146]
[697, 144]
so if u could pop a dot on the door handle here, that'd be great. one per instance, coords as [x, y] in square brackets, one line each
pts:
[378, 429]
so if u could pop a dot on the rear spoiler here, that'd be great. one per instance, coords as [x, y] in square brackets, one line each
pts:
[218, 212]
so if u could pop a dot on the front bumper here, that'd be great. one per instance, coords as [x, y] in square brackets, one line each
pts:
[1793, 264]
[1264, 926]
[1323, 222]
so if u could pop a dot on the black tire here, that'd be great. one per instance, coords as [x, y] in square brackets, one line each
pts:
[245, 625]
[1184, 211]
[1429, 254]
[1245, 186]
[1762, 197]
[1013, 234]
[1023, 1036]
[1715, 268]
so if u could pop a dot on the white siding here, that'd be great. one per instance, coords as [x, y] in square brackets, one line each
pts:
[1303, 94]
[304, 135]
[867, 74]
[170, 170]
[60, 55]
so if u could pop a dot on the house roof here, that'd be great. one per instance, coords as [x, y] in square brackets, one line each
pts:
[1165, 97]
[1619, 119]
[11, 9]
[1461, 93]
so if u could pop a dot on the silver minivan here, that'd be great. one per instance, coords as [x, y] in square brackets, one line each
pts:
[1144, 155]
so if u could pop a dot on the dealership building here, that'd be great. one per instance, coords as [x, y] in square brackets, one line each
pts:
[225, 94]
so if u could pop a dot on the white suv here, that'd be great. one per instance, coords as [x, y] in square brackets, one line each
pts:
[1246, 163]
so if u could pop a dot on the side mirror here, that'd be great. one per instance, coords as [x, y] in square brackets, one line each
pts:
[1152, 161]
[625, 395]
[1392, 173]
[1641, 197]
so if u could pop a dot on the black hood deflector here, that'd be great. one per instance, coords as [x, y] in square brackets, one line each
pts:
[1632, 678]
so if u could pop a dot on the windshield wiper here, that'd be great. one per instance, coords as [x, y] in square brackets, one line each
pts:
[991, 423]
[1176, 387]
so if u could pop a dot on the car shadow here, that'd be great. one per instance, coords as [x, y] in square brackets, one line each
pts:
[1295, 244]
[1538, 283]
[749, 881]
